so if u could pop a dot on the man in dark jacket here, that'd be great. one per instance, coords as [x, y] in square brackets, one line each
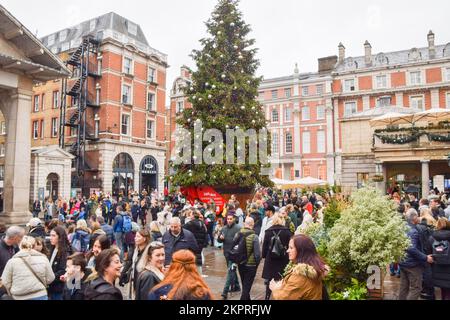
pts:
[436, 209]
[226, 237]
[107, 228]
[412, 267]
[9, 247]
[177, 238]
[200, 232]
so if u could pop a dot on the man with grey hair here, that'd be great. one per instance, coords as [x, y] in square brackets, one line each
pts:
[177, 238]
[247, 268]
[413, 265]
[9, 246]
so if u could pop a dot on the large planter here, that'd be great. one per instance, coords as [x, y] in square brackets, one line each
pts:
[242, 194]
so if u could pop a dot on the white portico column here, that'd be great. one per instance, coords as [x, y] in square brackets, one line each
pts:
[380, 169]
[425, 178]
[16, 109]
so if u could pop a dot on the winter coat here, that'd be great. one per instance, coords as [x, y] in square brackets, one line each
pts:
[146, 281]
[229, 233]
[59, 269]
[77, 293]
[99, 289]
[156, 236]
[109, 231]
[414, 254]
[20, 280]
[252, 246]
[441, 272]
[135, 212]
[185, 240]
[198, 229]
[301, 283]
[37, 232]
[274, 267]
[6, 253]
[134, 265]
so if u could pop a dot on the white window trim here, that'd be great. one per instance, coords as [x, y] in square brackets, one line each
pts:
[35, 130]
[42, 127]
[177, 109]
[303, 114]
[153, 129]
[446, 74]
[277, 142]
[132, 65]
[324, 141]
[285, 114]
[278, 115]
[303, 142]
[131, 94]
[388, 81]
[317, 112]
[155, 75]
[129, 124]
[356, 109]
[416, 96]
[317, 91]
[271, 94]
[58, 97]
[287, 95]
[2, 150]
[423, 80]
[303, 91]
[56, 127]
[355, 81]
[3, 128]
[51, 40]
[285, 142]
[447, 100]
[382, 97]
[38, 103]
[154, 101]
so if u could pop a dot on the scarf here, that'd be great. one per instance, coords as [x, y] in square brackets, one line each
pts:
[158, 273]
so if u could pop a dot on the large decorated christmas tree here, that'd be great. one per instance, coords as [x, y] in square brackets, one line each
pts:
[223, 94]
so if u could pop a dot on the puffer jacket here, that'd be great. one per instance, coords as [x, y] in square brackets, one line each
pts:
[301, 283]
[20, 280]
[198, 229]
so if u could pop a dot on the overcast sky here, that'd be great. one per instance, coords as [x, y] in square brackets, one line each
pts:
[286, 31]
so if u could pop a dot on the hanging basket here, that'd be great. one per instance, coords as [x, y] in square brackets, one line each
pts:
[377, 178]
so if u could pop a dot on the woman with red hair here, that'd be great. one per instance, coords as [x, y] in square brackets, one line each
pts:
[182, 281]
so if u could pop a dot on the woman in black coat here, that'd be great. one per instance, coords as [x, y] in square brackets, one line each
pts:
[153, 273]
[441, 267]
[59, 252]
[200, 232]
[274, 264]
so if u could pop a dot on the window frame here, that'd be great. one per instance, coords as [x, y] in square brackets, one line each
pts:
[275, 142]
[414, 97]
[288, 143]
[2, 150]
[55, 99]
[324, 145]
[414, 83]
[129, 97]
[447, 100]
[274, 94]
[322, 107]
[319, 92]
[3, 128]
[306, 107]
[305, 91]
[378, 105]
[153, 108]
[35, 130]
[278, 115]
[54, 127]
[152, 137]
[151, 78]
[178, 108]
[287, 92]
[36, 102]
[306, 150]
[287, 111]
[385, 82]
[128, 134]
[128, 58]
[345, 108]
[348, 88]
[42, 129]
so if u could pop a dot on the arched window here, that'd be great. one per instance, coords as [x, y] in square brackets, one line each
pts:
[123, 174]
[149, 174]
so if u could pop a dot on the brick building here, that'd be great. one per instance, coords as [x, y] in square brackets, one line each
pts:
[299, 112]
[410, 81]
[123, 89]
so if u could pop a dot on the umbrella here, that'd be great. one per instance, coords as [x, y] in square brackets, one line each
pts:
[310, 181]
[432, 115]
[391, 118]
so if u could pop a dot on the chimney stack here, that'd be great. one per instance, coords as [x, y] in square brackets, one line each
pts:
[341, 52]
[431, 47]
[296, 70]
[367, 53]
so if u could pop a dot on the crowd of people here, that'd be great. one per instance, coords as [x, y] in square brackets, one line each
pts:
[88, 249]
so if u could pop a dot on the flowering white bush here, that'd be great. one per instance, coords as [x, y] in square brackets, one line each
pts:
[369, 232]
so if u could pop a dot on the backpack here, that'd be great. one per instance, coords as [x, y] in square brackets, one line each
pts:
[80, 243]
[441, 252]
[126, 224]
[238, 254]
[277, 250]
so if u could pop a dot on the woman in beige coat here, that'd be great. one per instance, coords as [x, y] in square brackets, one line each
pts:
[28, 274]
[303, 279]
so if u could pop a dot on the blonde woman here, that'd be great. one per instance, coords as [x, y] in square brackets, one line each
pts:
[28, 274]
[425, 214]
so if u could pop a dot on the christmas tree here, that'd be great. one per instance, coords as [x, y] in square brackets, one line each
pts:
[223, 94]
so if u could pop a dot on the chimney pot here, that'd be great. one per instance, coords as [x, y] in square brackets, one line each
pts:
[367, 53]
[341, 52]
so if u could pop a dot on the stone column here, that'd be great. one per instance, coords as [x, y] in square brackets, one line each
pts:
[16, 110]
[330, 137]
[425, 178]
[380, 169]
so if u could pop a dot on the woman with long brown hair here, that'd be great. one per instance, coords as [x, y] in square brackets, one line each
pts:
[303, 279]
[182, 281]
